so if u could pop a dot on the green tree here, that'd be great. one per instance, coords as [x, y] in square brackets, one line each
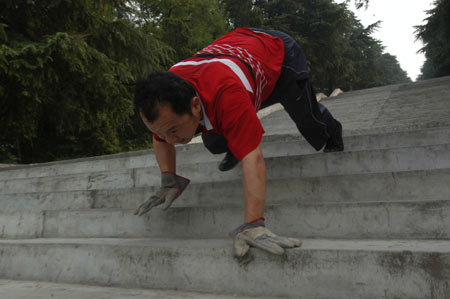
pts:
[340, 51]
[186, 26]
[368, 65]
[435, 35]
[390, 71]
[243, 13]
[359, 3]
[63, 65]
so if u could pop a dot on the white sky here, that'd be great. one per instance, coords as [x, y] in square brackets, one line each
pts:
[396, 31]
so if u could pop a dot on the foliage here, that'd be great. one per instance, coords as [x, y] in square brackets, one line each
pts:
[390, 71]
[359, 3]
[186, 26]
[340, 51]
[243, 13]
[62, 91]
[319, 26]
[435, 35]
[368, 65]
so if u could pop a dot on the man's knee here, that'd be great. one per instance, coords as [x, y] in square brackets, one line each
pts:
[215, 143]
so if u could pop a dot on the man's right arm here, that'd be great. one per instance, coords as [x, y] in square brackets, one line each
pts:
[165, 155]
[172, 185]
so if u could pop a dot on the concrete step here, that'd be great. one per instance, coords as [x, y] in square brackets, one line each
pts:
[387, 220]
[319, 269]
[10, 289]
[131, 160]
[401, 106]
[273, 146]
[357, 140]
[392, 186]
[41, 201]
[314, 165]
[357, 125]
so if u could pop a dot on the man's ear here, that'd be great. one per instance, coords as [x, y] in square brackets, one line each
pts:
[144, 119]
[196, 106]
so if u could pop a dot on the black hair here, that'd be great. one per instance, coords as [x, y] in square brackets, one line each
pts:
[163, 88]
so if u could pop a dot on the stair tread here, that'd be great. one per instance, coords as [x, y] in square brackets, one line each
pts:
[437, 246]
[45, 290]
[134, 160]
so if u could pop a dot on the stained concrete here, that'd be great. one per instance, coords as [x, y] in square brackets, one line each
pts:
[13, 289]
[318, 269]
[342, 163]
[401, 107]
[390, 220]
[422, 185]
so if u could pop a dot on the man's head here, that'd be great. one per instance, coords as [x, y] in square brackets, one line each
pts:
[168, 105]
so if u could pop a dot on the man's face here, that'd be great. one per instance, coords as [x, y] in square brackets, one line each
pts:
[175, 128]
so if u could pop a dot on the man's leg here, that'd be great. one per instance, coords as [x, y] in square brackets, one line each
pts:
[294, 91]
[217, 144]
[312, 119]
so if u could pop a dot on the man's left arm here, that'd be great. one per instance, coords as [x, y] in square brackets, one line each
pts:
[254, 184]
[243, 130]
[253, 232]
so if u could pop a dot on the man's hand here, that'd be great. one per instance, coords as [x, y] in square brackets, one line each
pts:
[172, 186]
[257, 235]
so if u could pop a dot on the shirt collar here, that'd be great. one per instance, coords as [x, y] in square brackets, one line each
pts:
[205, 121]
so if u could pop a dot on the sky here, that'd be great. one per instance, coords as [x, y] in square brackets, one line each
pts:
[396, 31]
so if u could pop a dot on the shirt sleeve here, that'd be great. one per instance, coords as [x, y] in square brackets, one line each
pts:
[158, 138]
[239, 122]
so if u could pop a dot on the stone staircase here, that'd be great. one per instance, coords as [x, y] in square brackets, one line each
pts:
[375, 219]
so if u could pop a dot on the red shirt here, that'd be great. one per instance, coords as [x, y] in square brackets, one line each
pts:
[229, 94]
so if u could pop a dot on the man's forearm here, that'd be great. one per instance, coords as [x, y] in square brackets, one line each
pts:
[165, 156]
[254, 184]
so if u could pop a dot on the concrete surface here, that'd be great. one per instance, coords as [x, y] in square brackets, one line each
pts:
[400, 220]
[342, 163]
[318, 269]
[13, 289]
[424, 185]
[399, 107]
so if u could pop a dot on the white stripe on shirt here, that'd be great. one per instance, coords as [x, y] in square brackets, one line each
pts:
[229, 63]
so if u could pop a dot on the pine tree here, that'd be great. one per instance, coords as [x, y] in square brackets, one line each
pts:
[186, 26]
[435, 35]
[340, 51]
[63, 65]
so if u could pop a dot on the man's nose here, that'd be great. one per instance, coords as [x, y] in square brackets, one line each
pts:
[171, 138]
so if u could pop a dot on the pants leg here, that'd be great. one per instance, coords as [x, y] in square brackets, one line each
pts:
[294, 91]
[312, 119]
[215, 143]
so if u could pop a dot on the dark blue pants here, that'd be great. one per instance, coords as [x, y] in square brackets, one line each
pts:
[294, 91]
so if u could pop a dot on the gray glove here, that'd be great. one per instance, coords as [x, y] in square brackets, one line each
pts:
[172, 186]
[256, 234]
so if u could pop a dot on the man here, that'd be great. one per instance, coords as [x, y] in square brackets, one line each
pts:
[218, 92]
